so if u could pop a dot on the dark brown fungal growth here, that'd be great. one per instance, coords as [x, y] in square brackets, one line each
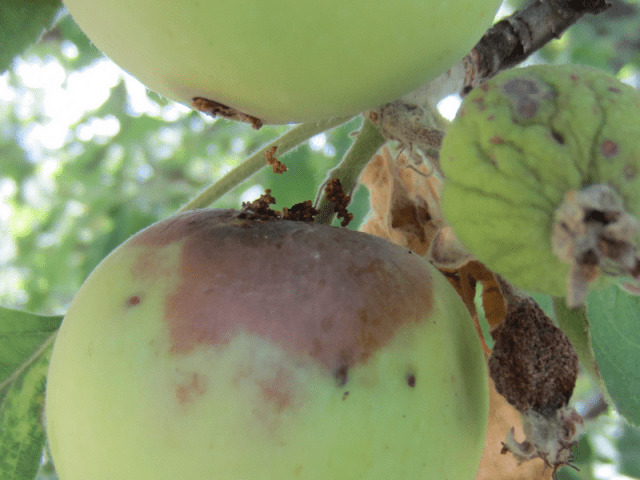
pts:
[534, 366]
[336, 195]
[277, 166]
[260, 208]
[301, 212]
[533, 363]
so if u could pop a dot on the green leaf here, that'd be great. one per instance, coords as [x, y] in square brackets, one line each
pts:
[629, 448]
[574, 323]
[22, 435]
[21, 24]
[21, 335]
[614, 316]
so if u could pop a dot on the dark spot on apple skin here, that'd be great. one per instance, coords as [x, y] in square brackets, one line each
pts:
[263, 278]
[558, 137]
[340, 375]
[345, 395]
[411, 380]
[525, 96]
[187, 391]
[609, 148]
[133, 301]
[277, 392]
[630, 172]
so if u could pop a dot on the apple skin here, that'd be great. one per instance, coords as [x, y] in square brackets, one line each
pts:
[207, 346]
[284, 61]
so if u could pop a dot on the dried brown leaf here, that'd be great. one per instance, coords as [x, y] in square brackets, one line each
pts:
[495, 465]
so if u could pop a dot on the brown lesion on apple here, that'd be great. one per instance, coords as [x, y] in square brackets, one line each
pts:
[278, 391]
[216, 109]
[594, 234]
[341, 375]
[133, 300]
[411, 380]
[308, 288]
[526, 94]
[188, 390]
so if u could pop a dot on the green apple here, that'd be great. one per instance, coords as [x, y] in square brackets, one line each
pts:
[542, 167]
[285, 61]
[212, 347]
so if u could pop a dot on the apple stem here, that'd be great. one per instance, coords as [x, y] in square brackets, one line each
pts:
[285, 143]
[365, 145]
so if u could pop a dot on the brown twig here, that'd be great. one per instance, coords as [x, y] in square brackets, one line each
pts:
[513, 39]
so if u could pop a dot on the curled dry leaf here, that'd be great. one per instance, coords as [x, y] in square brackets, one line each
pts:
[495, 465]
[465, 280]
[404, 201]
[405, 204]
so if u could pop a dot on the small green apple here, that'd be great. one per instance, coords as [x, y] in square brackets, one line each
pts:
[212, 347]
[542, 167]
[284, 61]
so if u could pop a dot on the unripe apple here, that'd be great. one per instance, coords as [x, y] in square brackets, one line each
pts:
[542, 167]
[213, 347]
[285, 61]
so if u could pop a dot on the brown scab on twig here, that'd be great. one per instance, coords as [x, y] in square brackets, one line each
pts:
[216, 109]
[273, 162]
[336, 195]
